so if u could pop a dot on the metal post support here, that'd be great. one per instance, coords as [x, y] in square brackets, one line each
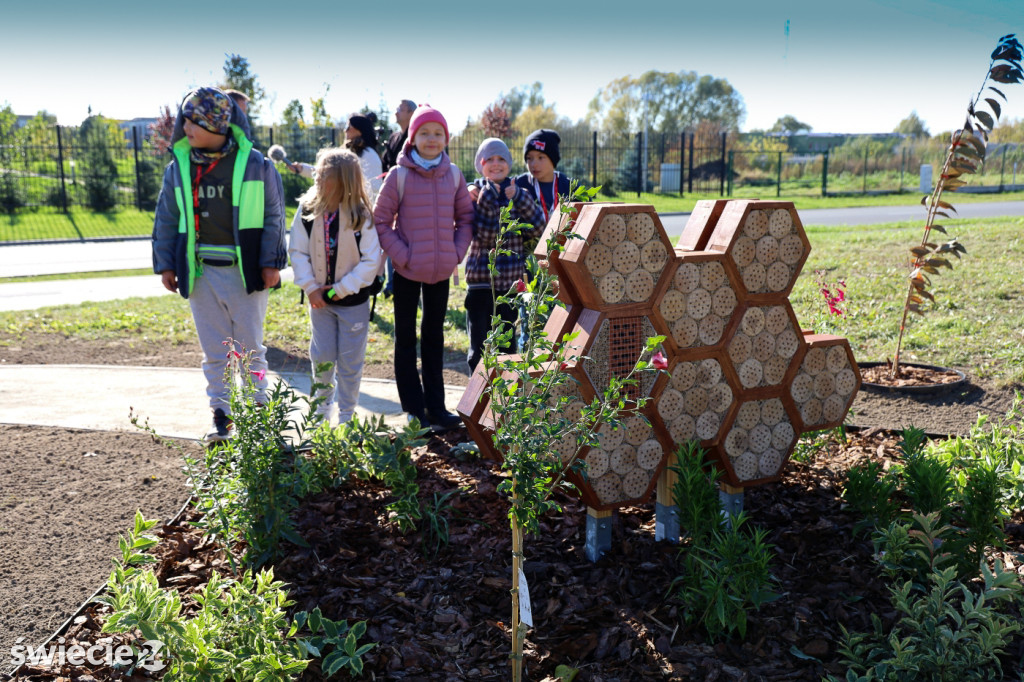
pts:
[824, 173]
[593, 161]
[666, 513]
[731, 499]
[599, 533]
[60, 164]
[271, 130]
[721, 180]
[689, 172]
[639, 163]
[334, 133]
[138, 173]
[778, 179]
[682, 154]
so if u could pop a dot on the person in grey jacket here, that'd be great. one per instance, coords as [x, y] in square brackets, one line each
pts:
[218, 239]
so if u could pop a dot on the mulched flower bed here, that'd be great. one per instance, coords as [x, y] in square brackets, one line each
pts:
[446, 618]
[909, 375]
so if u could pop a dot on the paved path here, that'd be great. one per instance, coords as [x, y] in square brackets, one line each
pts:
[172, 399]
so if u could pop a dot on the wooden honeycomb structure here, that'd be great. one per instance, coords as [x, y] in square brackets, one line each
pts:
[742, 378]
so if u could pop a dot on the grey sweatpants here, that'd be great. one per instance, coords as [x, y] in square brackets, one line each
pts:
[222, 310]
[339, 337]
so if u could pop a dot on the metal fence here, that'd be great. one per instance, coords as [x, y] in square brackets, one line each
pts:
[71, 169]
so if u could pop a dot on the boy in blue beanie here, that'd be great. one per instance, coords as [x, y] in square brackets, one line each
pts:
[490, 193]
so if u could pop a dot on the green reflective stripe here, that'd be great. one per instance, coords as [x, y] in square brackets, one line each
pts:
[241, 160]
[250, 205]
[181, 150]
[178, 199]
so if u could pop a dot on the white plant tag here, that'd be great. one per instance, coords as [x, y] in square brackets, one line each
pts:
[525, 609]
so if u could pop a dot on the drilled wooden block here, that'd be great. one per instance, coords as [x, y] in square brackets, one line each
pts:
[824, 385]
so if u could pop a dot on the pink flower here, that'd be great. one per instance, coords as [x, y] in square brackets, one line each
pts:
[659, 361]
[520, 286]
[260, 374]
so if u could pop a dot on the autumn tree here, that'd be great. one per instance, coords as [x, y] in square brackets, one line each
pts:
[912, 126]
[238, 76]
[674, 102]
[789, 125]
[495, 120]
[162, 130]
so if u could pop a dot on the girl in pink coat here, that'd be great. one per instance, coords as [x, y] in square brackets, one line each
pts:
[424, 219]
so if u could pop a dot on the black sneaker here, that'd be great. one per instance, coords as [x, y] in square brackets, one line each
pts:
[424, 422]
[223, 428]
[445, 421]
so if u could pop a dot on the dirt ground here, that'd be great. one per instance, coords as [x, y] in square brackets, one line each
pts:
[65, 496]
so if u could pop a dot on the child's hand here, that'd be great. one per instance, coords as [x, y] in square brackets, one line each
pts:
[271, 277]
[510, 191]
[316, 298]
[474, 192]
[169, 279]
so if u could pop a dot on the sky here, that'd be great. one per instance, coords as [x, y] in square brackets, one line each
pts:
[854, 67]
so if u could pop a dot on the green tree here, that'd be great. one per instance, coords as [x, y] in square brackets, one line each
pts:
[520, 98]
[238, 76]
[12, 194]
[318, 116]
[674, 102]
[98, 137]
[912, 126]
[789, 125]
[292, 116]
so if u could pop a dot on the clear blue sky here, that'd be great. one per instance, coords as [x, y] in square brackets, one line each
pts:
[858, 66]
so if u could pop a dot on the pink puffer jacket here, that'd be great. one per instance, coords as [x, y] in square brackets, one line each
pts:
[433, 224]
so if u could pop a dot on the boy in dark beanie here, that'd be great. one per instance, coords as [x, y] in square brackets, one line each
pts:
[218, 238]
[541, 180]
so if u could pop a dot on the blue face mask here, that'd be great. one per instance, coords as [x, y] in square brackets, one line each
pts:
[424, 163]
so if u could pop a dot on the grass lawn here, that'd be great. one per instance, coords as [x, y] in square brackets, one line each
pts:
[81, 223]
[977, 323]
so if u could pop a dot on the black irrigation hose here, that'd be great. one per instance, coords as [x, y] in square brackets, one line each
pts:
[5, 677]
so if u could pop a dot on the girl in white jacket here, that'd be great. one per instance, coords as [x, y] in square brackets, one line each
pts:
[335, 257]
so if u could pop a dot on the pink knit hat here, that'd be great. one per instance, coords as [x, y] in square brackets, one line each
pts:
[426, 114]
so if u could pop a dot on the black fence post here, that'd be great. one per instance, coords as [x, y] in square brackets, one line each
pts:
[864, 180]
[721, 183]
[639, 163]
[60, 164]
[1002, 169]
[682, 157]
[903, 166]
[689, 173]
[778, 179]
[270, 130]
[593, 161]
[824, 173]
[138, 175]
[731, 159]
[334, 139]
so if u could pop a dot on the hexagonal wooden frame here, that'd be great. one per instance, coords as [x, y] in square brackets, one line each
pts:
[711, 234]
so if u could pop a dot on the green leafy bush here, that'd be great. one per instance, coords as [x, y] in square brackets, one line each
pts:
[695, 493]
[726, 578]
[947, 634]
[872, 494]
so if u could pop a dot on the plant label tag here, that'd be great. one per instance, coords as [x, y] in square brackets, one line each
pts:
[525, 609]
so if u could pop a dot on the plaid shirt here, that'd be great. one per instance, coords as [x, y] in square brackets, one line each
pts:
[487, 226]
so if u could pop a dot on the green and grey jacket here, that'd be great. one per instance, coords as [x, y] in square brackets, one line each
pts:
[258, 210]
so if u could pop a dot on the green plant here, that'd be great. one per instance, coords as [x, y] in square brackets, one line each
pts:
[435, 531]
[695, 493]
[926, 480]
[871, 494]
[913, 550]
[347, 653]
[725, 578]
[947, 634]
[966, 152]
[980, 513]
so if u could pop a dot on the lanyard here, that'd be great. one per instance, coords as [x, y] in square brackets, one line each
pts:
[328, 219]
[200, 174]
[554, 196]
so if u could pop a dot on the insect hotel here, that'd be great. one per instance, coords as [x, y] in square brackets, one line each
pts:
[743, 378]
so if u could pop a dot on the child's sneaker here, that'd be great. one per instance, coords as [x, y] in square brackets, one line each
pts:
[223, 428]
